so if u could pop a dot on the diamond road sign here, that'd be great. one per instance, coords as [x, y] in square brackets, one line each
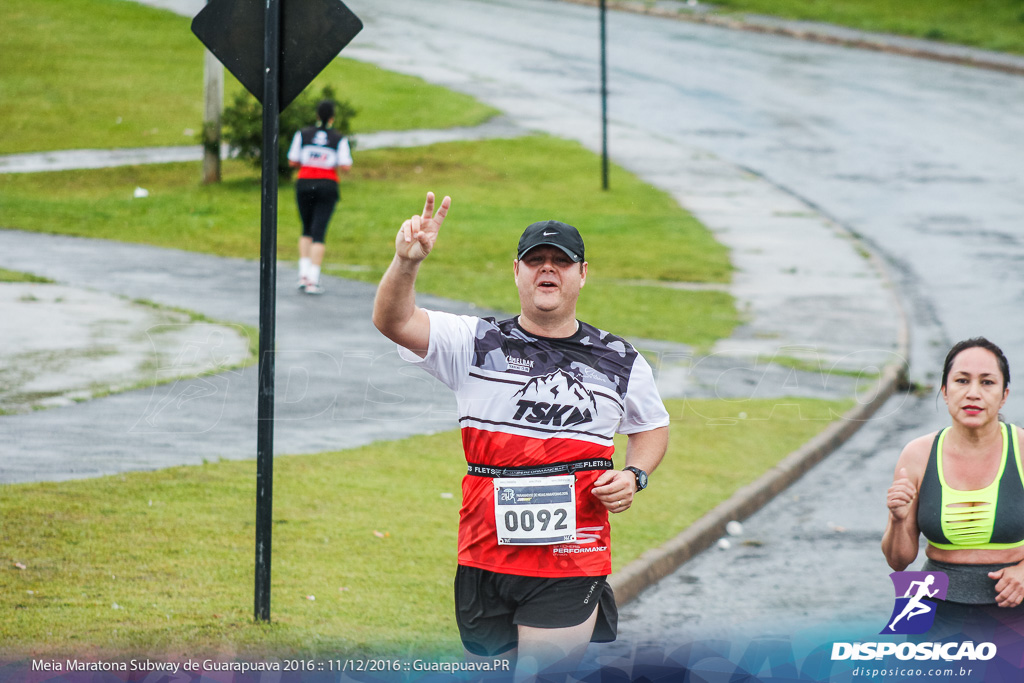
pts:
[313, 32]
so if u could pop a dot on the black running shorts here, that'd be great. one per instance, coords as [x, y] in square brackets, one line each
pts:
[489, 607]
[316, 198]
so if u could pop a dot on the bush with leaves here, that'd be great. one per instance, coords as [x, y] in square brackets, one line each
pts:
[243, 125]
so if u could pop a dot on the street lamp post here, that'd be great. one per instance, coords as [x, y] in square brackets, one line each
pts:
[604, 98]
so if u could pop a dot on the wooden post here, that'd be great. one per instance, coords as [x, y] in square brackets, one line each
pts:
[213, 105]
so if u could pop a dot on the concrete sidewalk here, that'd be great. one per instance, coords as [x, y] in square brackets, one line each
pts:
[65, 160]
[339, 382]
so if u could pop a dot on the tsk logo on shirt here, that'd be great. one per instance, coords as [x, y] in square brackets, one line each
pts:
[558, 399]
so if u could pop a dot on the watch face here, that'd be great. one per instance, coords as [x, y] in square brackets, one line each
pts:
[641, 477]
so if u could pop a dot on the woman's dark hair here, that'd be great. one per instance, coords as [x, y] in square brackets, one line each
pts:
[981, 343]
[324, 112]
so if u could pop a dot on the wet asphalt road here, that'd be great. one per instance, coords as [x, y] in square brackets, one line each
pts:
[918, 158]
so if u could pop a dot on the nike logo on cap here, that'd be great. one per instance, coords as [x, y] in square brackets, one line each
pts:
[548, 234]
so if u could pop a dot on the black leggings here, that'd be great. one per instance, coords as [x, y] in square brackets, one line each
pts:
[978, 622]
[316, 199]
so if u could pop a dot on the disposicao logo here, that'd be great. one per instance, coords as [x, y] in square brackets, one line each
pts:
[914, 614]
[916, 593]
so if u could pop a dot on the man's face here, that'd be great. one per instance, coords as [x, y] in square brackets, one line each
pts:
[549, 282]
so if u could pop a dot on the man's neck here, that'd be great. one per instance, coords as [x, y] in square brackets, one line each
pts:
[555, 329]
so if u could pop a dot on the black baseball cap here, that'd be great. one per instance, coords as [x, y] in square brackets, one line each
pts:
[555, 234]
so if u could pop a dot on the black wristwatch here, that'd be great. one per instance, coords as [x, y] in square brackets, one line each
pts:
[641, 477]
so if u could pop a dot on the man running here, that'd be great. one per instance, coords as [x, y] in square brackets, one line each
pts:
[540, 397]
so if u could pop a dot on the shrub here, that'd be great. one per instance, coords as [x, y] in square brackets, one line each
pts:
[243, 125]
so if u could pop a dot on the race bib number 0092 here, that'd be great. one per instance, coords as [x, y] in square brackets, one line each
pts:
[535, 510]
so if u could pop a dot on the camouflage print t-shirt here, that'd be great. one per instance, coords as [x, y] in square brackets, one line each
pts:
[526, 403]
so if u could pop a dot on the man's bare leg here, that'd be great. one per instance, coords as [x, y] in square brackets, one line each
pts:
[541, 648]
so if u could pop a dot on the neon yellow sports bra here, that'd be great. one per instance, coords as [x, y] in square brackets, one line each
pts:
[991, 518]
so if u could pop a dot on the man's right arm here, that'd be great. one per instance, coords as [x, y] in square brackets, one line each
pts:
[395, 312]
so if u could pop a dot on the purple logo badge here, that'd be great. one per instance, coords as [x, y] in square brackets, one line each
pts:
[916, 595]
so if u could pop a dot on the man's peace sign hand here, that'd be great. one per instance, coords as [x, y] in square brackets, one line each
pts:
[417, 235]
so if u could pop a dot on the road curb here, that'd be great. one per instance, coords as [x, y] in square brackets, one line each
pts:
[807, 31]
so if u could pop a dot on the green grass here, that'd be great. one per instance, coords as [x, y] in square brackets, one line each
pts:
[988, 24]
[17, 276]
[162, 562]
[79, 74]
[817, 366]
[633, 232]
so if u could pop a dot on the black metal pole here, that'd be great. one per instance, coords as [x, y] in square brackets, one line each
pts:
[268, 290]
[604, 99]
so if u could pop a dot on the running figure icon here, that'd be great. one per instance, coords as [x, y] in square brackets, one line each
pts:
[914, 606]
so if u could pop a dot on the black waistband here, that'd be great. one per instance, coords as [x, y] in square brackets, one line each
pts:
[540, 470]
